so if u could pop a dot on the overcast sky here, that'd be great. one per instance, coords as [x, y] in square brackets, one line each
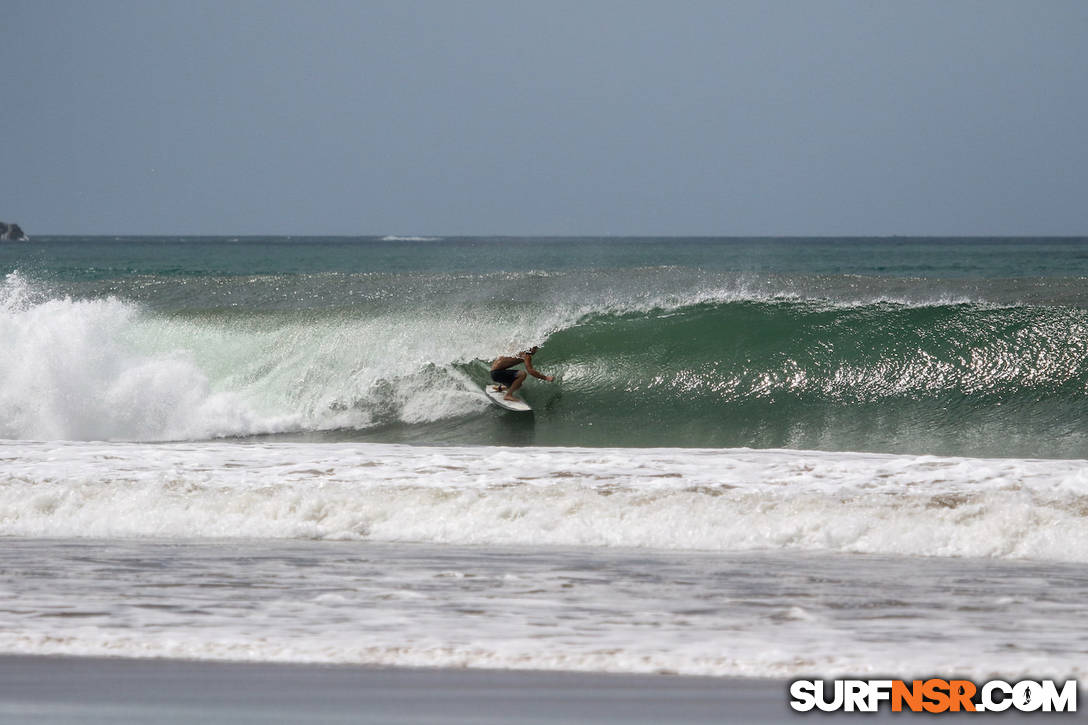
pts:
[579, 117]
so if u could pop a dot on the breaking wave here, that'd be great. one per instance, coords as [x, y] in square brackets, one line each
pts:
[951, 378]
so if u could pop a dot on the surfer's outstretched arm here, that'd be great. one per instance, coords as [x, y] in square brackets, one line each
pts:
[533, 371]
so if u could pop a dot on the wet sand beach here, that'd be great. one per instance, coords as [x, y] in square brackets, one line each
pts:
[117, 691]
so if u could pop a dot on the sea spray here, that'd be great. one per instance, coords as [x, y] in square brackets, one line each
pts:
[72, 370]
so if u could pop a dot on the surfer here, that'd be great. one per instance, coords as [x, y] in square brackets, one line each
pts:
[510, 380]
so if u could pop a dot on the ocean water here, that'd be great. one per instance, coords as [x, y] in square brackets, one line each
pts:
[759, 456]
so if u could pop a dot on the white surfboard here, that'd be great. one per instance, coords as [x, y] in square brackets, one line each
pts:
[496, 397]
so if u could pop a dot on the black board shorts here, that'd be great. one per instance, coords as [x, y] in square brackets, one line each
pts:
[504, 377]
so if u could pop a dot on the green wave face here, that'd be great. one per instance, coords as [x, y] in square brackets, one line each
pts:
[946, 379]
[642, 357]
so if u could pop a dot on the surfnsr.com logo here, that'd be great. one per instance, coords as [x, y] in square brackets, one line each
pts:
[933, 695]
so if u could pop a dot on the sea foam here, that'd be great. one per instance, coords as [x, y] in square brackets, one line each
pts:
[111, 369]
[696, 499]
[73, 370]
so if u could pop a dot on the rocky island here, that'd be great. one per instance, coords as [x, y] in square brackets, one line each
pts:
[12, 233]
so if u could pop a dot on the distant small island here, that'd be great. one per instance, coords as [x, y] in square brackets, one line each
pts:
[12, 233]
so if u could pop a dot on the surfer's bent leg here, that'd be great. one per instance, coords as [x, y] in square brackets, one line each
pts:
[515, 385]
